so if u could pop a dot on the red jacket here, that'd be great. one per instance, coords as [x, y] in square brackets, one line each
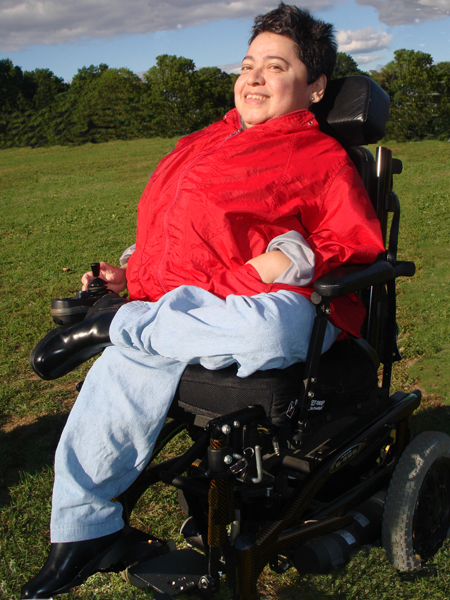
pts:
[219, 198]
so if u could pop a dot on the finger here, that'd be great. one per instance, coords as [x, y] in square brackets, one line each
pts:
[87, 277]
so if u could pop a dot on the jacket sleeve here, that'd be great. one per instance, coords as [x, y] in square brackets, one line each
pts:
[344, 227]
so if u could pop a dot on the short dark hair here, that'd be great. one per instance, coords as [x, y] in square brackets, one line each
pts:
[317, 46]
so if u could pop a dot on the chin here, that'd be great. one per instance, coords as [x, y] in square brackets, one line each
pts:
[255, 121]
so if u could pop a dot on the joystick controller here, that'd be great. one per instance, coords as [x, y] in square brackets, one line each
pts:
[67, 311]
[96, 287]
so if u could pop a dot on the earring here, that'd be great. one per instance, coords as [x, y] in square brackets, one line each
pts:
[313, 99]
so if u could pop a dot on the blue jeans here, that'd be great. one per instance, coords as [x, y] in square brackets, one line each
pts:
[111, 431]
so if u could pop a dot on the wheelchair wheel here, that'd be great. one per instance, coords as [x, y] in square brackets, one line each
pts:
[416, 517]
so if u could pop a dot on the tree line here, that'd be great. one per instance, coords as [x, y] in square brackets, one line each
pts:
[173, 98]
[101, 104]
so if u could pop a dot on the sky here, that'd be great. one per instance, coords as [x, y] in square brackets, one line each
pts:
[65, 35]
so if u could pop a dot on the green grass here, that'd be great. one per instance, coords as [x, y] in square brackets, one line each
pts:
[62, 208]
[424, 311]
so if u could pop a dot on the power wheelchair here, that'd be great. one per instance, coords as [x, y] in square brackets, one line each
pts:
[301, 467]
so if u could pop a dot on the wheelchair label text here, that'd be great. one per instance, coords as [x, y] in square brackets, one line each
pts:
[345, 457]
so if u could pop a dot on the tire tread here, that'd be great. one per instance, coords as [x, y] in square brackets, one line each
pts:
[401, 497]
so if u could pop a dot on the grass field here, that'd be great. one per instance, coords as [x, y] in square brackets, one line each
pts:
[62, 208]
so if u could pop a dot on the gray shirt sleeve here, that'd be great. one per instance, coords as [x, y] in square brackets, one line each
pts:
[126, 254]
[301, 270]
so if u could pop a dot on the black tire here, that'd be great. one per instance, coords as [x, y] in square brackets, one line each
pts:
[416, 517]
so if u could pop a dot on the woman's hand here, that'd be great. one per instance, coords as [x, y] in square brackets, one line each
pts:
[270, 265]
[115, 277]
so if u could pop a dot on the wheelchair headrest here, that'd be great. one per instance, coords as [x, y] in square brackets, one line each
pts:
[354, 110]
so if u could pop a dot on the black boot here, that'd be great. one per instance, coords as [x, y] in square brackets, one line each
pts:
[71, 563]
[65, 348]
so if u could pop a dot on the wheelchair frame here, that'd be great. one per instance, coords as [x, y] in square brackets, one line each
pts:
[256, 494]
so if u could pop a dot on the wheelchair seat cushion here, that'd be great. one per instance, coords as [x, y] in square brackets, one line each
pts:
[346, 377]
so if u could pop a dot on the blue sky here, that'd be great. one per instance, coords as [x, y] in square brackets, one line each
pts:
[64, 35]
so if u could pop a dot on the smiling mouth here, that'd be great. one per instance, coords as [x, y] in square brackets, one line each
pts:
[255, 97]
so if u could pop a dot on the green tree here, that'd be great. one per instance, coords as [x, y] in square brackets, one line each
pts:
[216, 94]
[233, 78]
[12, 95]
[412, 84]
[173, 96]
[39, 109]
[110, 106]
[45, 85]
[182, 100]
[75, 123]
[377, 77]
[85, 76]
[443, 88]
[345, 66]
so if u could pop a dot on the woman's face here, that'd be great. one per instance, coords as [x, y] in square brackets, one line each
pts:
[273, 80]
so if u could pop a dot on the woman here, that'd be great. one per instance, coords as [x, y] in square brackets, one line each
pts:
[204, 288]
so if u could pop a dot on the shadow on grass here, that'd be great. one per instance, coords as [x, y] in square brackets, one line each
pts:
[432, 416]
[28, 448]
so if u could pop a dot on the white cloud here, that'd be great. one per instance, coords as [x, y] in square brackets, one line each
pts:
[407, 12]
[28, 22]
[363, 60]
[362, 40]
[231, 68]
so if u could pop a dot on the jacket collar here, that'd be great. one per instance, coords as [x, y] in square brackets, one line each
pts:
[293, 121]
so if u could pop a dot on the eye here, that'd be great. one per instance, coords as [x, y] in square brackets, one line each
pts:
[275, 68]
[245, 68]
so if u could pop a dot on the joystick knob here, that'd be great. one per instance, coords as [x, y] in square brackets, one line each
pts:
[95, 269]
[97, 287]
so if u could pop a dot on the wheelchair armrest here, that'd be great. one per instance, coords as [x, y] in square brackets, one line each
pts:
[352, 278]
[404, 268]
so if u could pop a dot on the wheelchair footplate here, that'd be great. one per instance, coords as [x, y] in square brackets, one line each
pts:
[171, 574]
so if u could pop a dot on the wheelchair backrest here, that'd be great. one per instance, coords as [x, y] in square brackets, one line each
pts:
[355, 111]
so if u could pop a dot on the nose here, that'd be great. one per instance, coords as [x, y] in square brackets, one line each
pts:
[256, 77]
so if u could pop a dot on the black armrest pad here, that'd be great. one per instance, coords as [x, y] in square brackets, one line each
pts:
[352, 278]
[404, 268]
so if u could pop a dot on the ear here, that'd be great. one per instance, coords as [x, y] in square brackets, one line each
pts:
[319, 87]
